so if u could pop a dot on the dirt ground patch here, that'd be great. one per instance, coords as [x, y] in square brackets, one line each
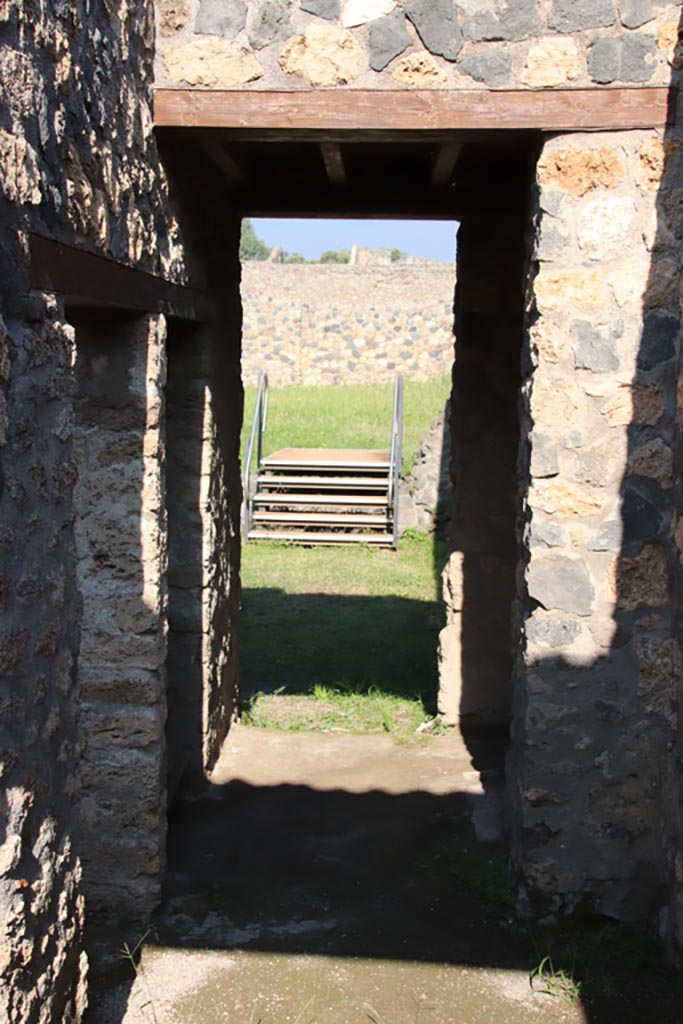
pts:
[341, 879]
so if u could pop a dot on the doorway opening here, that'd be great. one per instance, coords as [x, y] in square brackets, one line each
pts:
[485, 184]
[355, 345]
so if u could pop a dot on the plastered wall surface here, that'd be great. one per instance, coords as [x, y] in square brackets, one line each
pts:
[331, 324]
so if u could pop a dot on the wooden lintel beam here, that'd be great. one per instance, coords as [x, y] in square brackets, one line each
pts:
[444, 163]
[333, 158]
[352, 110]
[86, 280]
[219, 153]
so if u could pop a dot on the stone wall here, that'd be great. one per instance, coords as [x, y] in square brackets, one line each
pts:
[42, 975]
[77, 162]
[387, 44]
[329, 323]
[598, 686]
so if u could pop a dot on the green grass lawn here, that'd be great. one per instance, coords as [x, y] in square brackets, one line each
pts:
[342, 638]
[347, 636]
[348, 416]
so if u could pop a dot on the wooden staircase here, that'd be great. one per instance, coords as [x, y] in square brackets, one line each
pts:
[323, 495]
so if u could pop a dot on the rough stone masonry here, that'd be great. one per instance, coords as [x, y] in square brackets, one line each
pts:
[330, 324]
[93, 585]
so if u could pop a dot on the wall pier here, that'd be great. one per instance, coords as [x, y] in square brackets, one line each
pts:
[121, 543]
[595, 707]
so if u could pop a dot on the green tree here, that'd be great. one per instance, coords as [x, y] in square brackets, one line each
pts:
[332, 256]
[293, 257]
[397, 254]
[251, 246]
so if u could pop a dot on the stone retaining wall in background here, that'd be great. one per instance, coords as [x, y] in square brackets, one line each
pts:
[336, 324]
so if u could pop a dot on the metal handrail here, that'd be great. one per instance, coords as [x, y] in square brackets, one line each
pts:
[258, 426]
[396, 455]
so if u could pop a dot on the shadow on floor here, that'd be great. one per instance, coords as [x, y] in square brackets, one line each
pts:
[295, 640]
[378, 878]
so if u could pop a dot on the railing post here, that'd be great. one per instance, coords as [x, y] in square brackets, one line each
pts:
[396, 453]
[258, 427]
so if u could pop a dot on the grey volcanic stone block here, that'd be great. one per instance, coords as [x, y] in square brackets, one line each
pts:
[595, 349]
[637, 57]
[634, 13]
[518, 20]
[438, 27]
[221, 17]
[562, 583]
[267, 22]
[491, 69]
[388, 37]
[547, 535]
[658, 342]
[641, 519]
[329, 9]
[543, 456]
[608, 537]
[578, 15]
[552, 243]
[603, 60]
[553, 632]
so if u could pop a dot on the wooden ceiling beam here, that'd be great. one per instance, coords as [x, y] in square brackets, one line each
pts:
[221, 155]
[333, 158]
[444, 163]
[353, 110]
[413, 204]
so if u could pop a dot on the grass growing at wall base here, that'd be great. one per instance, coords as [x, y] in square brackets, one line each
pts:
[348, 416]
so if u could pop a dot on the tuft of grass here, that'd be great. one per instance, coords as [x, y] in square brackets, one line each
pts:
[347, 416]
[545, 977]
[133, 957]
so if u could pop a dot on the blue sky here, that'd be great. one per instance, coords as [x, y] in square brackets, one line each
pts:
[431, 239]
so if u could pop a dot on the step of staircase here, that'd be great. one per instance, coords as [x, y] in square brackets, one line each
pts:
[323, 496]
[318, 482]
[303, 537]
[358, 459]
[349, 500]
[321, 519]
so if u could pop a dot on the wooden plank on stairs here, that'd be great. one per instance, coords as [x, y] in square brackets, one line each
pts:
[376, 539]
[321, 499]
[365, 483]
[334, 458]
[320, 519]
